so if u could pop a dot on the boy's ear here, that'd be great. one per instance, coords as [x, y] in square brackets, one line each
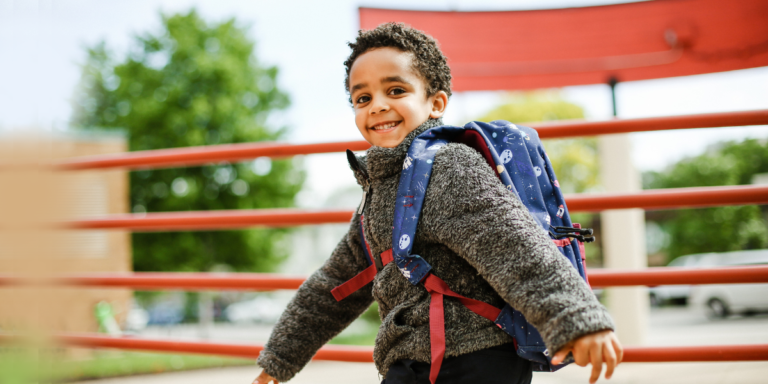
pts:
[439, 103]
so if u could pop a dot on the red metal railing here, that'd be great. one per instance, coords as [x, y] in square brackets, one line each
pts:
[365, 354]
[187, 281]
[267, 282]
[669, 198]
[214, 219]
[755, 352]
[654, 199]
[238, 152]
[188, 156]
[709, 120]
[678, 276]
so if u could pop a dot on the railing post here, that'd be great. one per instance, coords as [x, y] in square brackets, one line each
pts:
[623, 239]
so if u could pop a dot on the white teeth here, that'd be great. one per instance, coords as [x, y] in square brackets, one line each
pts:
[384, 126]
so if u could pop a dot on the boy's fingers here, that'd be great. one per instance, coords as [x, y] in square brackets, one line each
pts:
[596, 358]
[618, 348]
[610, 360]
[581, 357]
[560, 356]
[562, 353]
[265, 378]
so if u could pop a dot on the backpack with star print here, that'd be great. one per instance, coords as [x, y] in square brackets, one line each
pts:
[517, 157]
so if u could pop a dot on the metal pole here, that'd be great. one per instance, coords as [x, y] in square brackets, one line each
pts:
[623, 235]
[205, 314]
[612, 83]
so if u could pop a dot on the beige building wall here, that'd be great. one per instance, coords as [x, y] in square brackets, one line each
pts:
[33, 200]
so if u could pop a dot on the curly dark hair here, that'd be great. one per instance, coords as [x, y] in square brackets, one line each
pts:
[428, 60]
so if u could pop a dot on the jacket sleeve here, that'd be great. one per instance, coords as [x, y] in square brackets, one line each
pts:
[468, 209]
[313, 316]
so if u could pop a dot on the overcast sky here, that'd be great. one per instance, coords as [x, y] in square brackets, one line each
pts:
[42, 42]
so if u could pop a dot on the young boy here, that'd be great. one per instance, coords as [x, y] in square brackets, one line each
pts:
[477, 236]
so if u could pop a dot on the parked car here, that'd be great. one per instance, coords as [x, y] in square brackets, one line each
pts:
[137, 319]
[261, 309]
[165, 315]
[675, 294]
[722, 300]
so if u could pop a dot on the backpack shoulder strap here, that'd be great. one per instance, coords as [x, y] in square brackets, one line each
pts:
[417, 169]
[367, 275]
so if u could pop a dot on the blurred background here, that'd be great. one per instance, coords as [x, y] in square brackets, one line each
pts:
[104, 77]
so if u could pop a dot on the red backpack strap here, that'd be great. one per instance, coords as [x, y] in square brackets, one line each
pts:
[367, 275]
[386, 256]
[437, 288]
[352, 285]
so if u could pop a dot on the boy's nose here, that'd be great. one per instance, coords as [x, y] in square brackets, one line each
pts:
[379, 107]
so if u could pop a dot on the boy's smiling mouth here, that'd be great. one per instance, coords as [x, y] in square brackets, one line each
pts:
[386, 126]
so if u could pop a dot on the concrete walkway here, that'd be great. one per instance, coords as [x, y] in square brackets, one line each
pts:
[327, 372]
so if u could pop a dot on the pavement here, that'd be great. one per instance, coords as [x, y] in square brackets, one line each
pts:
[668, 326]
[326, 372]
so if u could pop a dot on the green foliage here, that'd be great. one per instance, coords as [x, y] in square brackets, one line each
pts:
[50, 366]
[193, 84]
[534, 107]
[104, 365]
[371, 315]
[575, 161]
[368, 337]
[718, 229]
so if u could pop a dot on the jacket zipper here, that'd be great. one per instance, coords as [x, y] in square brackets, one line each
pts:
[365, 196]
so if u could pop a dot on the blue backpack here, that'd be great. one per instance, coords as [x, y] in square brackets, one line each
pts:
[518, 159]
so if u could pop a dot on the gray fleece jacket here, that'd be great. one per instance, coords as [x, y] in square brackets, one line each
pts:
[477, 236]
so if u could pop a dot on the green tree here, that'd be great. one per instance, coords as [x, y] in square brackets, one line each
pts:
[193, 83]
[575, 161]
[718, 229]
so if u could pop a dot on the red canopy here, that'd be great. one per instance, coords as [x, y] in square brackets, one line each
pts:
[574, 46]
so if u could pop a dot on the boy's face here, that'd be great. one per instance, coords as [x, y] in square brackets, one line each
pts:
[389, 97]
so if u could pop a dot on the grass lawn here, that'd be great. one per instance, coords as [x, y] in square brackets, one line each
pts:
[16, 369]
[119, 363]
[105, 363]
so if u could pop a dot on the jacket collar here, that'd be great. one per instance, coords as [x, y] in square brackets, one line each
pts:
[384, 162]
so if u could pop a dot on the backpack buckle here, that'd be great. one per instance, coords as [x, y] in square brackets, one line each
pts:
[580, 234]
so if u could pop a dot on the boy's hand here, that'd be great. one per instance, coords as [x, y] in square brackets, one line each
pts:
[265, 378]
[594, 348]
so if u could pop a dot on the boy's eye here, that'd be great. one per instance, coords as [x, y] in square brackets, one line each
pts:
[363, 99]
[397, 91]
